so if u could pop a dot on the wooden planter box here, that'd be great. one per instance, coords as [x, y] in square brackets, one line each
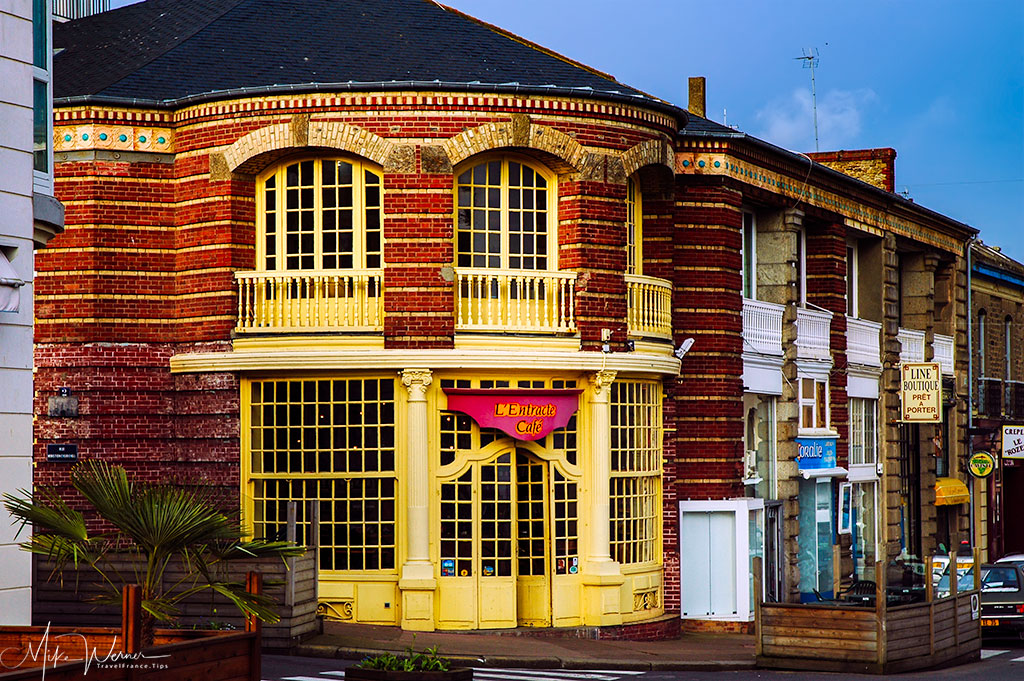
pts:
[292, 585]
[209, 655]
[360, 674]
[116, 654]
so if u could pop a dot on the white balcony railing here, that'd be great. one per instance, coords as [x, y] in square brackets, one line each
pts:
[649, 307]
[863, 342]
[310, 301]
[812, 333]
[942, 347]
[515, 300]
[911, 345]
[762, 327]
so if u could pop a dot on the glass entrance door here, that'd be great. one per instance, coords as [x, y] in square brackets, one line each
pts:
[533, 589]
[494, 539]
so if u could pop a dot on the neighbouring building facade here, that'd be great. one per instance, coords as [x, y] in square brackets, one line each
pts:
[525, 346]
[997, 297]
[31, 216]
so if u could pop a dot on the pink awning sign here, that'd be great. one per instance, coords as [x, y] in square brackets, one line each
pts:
[522, 414]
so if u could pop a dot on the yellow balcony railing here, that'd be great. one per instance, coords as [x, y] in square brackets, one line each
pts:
[515, 301]
[310, 301]
[650, 306]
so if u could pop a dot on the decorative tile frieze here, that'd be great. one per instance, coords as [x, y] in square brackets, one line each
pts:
[91, 136]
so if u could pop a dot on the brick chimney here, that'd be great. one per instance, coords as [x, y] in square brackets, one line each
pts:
[874, 166]
[698, 96]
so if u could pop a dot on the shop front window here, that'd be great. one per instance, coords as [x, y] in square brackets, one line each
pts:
[814, 543]
[328, 442]
[635, 490]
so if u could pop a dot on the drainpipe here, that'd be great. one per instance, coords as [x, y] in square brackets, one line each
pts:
[970, 391]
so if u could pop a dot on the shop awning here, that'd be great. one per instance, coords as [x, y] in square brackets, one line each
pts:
[950, 491]
[831, 472]
[10, 285]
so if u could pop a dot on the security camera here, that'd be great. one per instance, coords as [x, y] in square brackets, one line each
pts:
[684, 348]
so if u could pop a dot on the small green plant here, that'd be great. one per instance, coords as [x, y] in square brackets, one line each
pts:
[427, 661]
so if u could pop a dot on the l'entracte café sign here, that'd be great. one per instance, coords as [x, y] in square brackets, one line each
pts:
[521, 414]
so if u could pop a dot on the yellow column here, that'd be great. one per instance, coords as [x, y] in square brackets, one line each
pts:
[417, 582]
[602, 576]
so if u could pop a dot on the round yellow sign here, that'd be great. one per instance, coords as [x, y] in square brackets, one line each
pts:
[981, 464]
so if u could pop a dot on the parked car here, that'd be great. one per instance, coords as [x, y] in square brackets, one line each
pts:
[1002, 599]
[965, 577]
[1012, 558]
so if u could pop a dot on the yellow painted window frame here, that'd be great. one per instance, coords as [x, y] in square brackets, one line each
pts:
[635, 487]
[280, 171]
[248, 478]
[634, 228]
[551, 209]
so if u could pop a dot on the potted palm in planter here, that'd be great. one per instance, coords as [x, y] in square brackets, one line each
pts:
[149, 526]
[425, 666]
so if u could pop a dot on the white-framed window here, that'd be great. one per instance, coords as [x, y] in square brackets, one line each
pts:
[749, 255]
[504, 215]
[634, 228]
[863, 431]
[814, 403]
[852, 276]
[759, 466]
[864, 529]
[42, 98]
[320, 214]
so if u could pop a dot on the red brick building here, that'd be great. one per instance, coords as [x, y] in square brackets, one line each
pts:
[445, 305]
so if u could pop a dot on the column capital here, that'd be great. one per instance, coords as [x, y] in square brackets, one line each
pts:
[601, 381]
[416, 382]
[792, 219]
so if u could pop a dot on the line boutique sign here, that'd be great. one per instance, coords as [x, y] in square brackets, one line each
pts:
[921, 392]
[522, 414]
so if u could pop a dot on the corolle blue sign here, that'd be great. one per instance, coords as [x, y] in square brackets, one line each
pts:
[816, 453]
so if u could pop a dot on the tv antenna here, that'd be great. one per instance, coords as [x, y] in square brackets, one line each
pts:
[810, 60]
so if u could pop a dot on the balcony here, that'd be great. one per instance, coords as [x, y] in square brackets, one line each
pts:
[529, 301]
[649, 307]
[863, 342]
[762, 327]
[812, 334]
[310, 301]
[942, 347]
[911, 345]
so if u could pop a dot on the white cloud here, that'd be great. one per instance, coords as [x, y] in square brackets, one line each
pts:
[789, 122]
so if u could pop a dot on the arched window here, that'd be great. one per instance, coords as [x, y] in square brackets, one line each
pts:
[634, 229]
[320, 214]
[504, 216]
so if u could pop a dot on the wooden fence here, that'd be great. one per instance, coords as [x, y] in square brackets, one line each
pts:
[883, 639]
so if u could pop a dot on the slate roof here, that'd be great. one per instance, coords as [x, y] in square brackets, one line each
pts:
[174, 51]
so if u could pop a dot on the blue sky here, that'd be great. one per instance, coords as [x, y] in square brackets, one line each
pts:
[941, 81]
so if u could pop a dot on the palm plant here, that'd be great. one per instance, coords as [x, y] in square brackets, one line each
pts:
[154, 524]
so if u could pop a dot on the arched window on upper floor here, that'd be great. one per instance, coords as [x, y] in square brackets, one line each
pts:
[505, 215]
[320, 214]
[634, 228]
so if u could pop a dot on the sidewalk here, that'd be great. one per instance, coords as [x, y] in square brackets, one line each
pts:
[690, 652]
